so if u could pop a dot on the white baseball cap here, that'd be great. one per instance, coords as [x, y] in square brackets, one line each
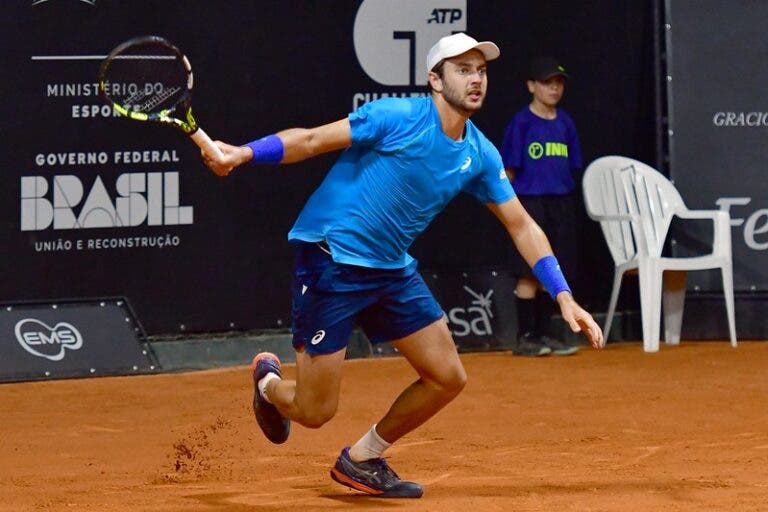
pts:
[456, 44]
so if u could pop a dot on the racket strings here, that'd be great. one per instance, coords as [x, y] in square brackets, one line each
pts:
[147, 83]
[138, 103]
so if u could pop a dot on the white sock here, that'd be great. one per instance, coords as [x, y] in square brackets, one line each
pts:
[262, 385]
[370, 446]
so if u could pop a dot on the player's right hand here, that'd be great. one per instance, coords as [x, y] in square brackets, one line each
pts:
[233, 156]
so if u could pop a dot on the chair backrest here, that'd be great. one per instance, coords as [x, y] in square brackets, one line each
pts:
[655, 200]
[604, 195]
[617, 185]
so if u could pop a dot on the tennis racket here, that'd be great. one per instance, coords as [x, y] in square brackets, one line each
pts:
[148, 79]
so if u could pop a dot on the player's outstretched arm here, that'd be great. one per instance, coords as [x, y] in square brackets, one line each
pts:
[533, 245]
[287, 146]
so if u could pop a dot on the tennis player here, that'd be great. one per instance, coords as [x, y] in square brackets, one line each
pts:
[404, 159]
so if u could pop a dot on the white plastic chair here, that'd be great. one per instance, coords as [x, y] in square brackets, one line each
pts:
[634, 205]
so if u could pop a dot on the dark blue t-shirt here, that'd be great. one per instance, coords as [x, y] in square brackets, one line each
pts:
[543, 153]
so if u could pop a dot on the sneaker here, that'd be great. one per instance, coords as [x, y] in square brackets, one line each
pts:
[373, 477]
[557, 347]
[274, 425]
[529, 345]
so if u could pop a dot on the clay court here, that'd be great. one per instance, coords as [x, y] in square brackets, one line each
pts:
[683, 429]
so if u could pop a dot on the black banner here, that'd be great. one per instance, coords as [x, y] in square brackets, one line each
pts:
[96, 205]
[71, 339]
[480, 307]
[718, 127]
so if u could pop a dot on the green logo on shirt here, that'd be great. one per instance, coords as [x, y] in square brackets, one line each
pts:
[536, 150]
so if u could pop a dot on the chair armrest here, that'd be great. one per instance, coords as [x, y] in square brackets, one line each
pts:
[715, 215]
[722, 226]
[617, 217]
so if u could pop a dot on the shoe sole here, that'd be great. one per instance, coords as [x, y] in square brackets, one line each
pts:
[345, 480]
[353, 484]
[264, 355]
[565, 352]
[527, 354]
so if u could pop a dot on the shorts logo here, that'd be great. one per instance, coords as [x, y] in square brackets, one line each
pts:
[318, 337]
[392, 37]
[40, 340]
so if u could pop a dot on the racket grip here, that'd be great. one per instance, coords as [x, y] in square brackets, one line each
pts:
[204, 141]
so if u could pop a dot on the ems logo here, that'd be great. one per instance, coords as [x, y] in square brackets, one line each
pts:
[47, 342]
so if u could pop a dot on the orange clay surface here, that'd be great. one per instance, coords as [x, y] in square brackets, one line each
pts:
[684, 429]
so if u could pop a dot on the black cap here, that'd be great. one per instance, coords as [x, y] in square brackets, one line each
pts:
[544, 68]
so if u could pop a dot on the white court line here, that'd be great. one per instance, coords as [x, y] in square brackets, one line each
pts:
[68, 57]
[100, 57]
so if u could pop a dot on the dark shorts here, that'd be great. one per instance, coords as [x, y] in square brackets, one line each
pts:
[558, 217]
[330, 298]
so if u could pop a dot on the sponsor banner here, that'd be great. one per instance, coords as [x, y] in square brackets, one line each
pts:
[71, 339]
[479, 306]
[96, 205]
[718, 127]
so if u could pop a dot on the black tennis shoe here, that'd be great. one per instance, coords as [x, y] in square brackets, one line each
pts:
[529, 345]
[373, 477]
[558, 347]
[272, 423]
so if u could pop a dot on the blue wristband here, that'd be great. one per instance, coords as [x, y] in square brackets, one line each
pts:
[267, 150]
[547, 271]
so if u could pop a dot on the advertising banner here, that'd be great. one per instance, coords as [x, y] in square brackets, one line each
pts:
[718, 120]
[94, 204]
[479, 306]
[71, 339]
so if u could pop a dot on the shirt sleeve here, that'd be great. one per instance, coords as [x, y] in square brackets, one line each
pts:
[375, 123]
[574, 146]
[492, 184]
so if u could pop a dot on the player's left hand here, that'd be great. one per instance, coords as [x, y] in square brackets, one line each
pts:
[579, 320]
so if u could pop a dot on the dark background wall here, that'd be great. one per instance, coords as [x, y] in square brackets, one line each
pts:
[261, 66]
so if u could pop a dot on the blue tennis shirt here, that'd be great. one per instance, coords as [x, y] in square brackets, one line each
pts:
[399, 173]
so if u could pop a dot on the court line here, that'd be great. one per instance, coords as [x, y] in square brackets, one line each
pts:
[100, 57]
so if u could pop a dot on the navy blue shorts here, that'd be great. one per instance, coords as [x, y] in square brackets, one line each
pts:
[330, 298]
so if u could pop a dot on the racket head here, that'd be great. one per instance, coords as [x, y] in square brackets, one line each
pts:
[148, 79]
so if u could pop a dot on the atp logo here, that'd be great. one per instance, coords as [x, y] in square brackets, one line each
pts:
[47, 342]
[392, 37]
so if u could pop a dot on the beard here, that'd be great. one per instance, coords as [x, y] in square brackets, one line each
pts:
[460, 101]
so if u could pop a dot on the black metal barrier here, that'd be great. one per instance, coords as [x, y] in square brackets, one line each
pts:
[79, 338]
